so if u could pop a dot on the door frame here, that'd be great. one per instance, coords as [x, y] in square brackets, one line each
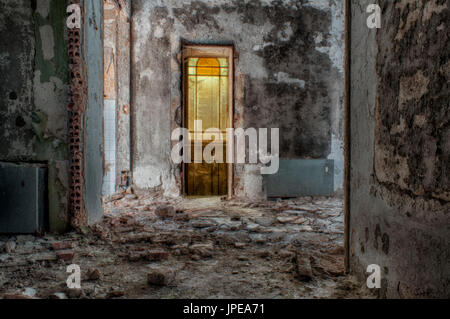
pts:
[189, 50]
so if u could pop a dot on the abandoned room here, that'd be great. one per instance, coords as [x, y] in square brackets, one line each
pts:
[277, 149]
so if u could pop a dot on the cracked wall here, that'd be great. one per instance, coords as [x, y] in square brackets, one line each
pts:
[33, 94]
[412, 130]
[399, 149]
[289, 74]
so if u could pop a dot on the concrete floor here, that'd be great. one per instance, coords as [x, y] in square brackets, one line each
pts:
[148, 246]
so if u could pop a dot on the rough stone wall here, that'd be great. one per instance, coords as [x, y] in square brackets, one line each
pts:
[412, 129]
[33, 94]
[289, 74]
[399, 212]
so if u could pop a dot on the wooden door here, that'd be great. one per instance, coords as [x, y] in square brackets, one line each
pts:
[207, 100]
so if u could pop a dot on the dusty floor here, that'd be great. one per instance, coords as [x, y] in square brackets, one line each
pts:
[150, 247]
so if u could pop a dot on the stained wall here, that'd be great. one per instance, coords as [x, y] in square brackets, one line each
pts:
[288, 75]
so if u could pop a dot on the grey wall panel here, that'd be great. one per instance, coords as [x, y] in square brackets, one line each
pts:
[300, 177]
[23, 198]
[93, 54]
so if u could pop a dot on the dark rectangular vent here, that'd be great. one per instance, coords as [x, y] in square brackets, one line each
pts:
[23, 198]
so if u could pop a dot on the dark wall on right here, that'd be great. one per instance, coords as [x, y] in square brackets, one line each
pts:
[412, 141]
[400, 147]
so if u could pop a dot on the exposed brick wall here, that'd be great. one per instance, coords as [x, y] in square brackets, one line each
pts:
[76, 108]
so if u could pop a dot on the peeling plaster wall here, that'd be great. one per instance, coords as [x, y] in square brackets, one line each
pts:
[400, 165]
[33, 94]
[117, 87]
[123, 160]
[16, 89]
[110, 48]
[289, 74]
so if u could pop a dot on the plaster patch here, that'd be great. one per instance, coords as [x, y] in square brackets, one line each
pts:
[420, 120]
[318, 38]
[432, 7]
[337, 154]
[413, 87]
[48, 42]
[405, 3]
[335, 44]
[253, 182]
[399, 128]
[159, 32]
[283, 77]
[405, 26]
[147, 73]
[170, 186]
[50, 98]
[318, 4]
[259, 47]
[43, 8]
[147, 177]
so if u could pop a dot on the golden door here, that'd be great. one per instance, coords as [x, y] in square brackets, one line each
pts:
[207, 101]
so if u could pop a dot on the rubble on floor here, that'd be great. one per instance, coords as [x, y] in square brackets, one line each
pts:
[148, 246]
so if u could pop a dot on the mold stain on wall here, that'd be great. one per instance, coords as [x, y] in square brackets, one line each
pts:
[289, 74]
[400, 155]
[33, 94]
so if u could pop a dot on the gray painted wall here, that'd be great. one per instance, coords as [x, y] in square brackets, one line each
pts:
[93, 55]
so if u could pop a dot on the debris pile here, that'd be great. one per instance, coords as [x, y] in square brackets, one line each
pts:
[148, 246]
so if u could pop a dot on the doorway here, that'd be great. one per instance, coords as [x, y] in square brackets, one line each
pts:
[208, 105]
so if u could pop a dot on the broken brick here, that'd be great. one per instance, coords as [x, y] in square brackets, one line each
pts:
[94, 274]
[165, 211]
[116, 293]
[157, 255]
[62, 245]
[66, 255]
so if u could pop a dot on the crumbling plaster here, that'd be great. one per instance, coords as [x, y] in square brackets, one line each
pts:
[399, 211]
[289, 74]
[33, 94]
[116, 45]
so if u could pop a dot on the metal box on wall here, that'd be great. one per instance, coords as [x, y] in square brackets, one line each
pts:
[23, 198]
[298, 177]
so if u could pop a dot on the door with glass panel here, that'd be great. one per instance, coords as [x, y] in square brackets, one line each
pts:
[206, 108]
